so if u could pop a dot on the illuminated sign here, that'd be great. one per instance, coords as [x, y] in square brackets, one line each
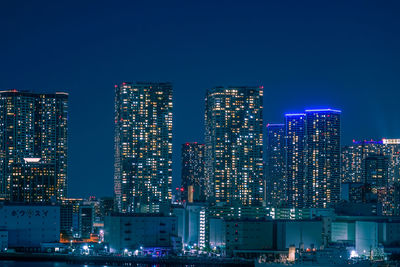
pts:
[391, 141]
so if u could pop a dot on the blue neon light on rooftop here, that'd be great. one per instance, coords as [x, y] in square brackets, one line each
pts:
[295, 114]
[323, 110]
[367, 142]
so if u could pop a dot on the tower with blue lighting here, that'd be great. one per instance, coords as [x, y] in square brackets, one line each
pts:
[322, 157]
[312, 158]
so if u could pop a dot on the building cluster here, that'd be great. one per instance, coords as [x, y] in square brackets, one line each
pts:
[299, 192]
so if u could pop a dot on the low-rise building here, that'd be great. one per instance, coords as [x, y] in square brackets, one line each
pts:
[188, 221]
[140, 231]
[367, 234]
[30, 225]
[248, 235]
[302, 234]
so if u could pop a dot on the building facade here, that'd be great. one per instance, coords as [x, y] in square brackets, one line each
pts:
[143, 147]
[376, 170]
[275, 165]
[234, 145]
[294, 159]
[193, 184]
[303, 234]
[246, 235]
[30, 225]
[322, 157]
[70, 218]
[33, 146]
[312, 159]
[139, 231]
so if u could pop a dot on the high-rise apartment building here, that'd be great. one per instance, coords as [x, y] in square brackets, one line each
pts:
[312, 171]
[322, 157]
[33, 146]
[295, 131]
[143, 147]
[194, 186]
[275, 165]
[234, 145]
[353, 159]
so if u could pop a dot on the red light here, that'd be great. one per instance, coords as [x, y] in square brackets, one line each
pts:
[177, 189]
[182, 189]
[261, 87]
[123, 83]
[115, 86]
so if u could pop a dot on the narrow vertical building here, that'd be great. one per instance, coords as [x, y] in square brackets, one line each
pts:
[143, 147]
[194, 186]
[322, 157]
[275, 163]
[295, 131]
[233, 145]
[33, 146]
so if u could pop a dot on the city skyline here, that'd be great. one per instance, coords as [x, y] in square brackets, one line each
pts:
[176, 182]
[348, 60]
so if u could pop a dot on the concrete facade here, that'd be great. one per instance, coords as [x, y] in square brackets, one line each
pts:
[138, 230]
[30, 225]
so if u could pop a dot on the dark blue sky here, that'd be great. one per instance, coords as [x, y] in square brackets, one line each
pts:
[343, 54]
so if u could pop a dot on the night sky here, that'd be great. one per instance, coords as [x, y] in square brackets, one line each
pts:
[306, 54]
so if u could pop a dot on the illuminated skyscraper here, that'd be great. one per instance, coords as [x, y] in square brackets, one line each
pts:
[194, 186]
[322, 157]
[353, 159]
[313, 158]
[143, 147]
[233, 145]
[33, 146]
[294, 159]
[275, 163]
